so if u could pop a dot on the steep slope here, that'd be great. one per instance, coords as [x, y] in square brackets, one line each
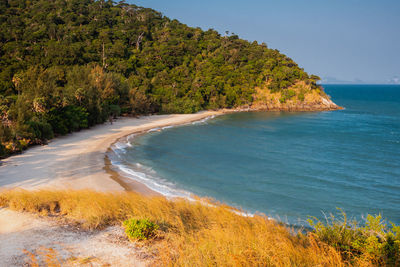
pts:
[298, 97]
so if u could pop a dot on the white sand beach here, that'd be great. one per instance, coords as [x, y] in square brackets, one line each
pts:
[77, 161]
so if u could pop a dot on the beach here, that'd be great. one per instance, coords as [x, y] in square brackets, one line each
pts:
[77, 161]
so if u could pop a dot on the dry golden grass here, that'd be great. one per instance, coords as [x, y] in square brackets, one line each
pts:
[43, 257]
[190, 234]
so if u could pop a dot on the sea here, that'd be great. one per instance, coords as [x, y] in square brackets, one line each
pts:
[290, 166]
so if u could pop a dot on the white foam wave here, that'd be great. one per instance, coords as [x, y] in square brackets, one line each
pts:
[203, 120]
[119, 147]
[154, 130]
[167, 127]
[154, 183]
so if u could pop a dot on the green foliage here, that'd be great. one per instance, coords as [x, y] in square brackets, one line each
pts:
[2, 150]
[41, 129]
[67, 119]
[114, 110]
[141, 229]
[5, 133]
[375, 241]
[287, 94]
[73, 64]
[23, 144]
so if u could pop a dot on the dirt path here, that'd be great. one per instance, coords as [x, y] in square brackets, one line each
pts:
[22, 231]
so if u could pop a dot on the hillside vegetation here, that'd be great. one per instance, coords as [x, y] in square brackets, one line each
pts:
[194, 234]
[67, 65]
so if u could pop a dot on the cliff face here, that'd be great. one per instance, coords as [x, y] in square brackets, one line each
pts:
[299, 97]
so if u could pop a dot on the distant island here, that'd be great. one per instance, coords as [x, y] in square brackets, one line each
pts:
[395, 80]
[68, 65]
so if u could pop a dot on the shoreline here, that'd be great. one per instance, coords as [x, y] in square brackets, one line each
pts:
[78, 160]
[133, 185]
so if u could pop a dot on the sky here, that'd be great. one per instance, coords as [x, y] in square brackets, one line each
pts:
[342, 40]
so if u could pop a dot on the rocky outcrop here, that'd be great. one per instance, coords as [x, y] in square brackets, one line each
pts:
[300, 97]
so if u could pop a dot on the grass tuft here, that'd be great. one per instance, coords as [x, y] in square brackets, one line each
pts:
[140, 229]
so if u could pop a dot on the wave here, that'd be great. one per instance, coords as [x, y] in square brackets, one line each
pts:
[167, 127]
[154, 130]
[141, 173]
[204, 120]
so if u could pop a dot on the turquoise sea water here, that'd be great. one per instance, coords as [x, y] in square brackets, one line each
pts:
[287, 165]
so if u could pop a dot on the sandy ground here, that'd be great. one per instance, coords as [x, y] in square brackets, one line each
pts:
[73, 247]
[75, 161]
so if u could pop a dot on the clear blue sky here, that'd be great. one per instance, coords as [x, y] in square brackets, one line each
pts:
[345, 39]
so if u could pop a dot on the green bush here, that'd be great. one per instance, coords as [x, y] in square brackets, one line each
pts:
[286, 95]
[114, 110]
[67, 119]
[140, 229]
[301, 97]
[181, 105]
[41, 130]
[23, 144]
[375, 241]
[2, 150]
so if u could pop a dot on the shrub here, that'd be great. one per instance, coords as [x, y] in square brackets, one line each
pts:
[40, 129]
[141, 229]
[375, 242]
[286, 95]
[181, 105]
[23, 143]
[2, 150]
[301, 97]
[115, 110]
[67, 119]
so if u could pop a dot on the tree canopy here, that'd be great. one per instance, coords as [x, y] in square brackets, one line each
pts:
[69, 64]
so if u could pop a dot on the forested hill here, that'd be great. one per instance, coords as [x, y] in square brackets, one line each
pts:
[69, 64]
